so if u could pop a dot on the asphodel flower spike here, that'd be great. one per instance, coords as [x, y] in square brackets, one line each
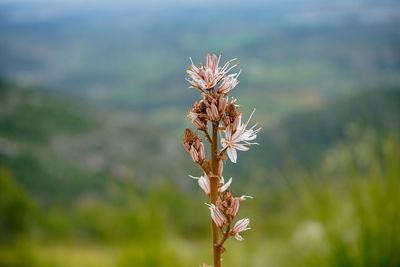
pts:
[214, 116]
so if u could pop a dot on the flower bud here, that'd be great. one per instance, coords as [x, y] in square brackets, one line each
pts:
[218, 218]
[222, 103]
[212, 112]
[220, 168]
[194, 146]
[239, 227]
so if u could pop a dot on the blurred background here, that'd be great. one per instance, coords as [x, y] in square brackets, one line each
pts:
[93, 106]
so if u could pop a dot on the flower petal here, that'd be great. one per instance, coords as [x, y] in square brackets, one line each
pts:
[241, 147]
[225, 186]
[232, 154]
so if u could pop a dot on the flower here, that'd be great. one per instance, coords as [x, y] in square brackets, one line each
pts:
[223, 186]
[228, 83]
[208, 76]
[218, 218]
[239, 227]
[237, 136]
[204, 183]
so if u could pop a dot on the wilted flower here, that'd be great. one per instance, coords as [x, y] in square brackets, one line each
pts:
[239, 227]
[198, 115]
[218, 218]
[194, 146]
[237, 137]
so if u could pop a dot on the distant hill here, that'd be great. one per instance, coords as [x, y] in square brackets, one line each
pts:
[303, 139]
[60, 147]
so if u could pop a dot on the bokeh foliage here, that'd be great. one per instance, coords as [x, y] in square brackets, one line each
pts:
[341, 210]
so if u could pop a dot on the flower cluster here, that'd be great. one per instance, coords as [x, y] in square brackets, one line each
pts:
[217, 109]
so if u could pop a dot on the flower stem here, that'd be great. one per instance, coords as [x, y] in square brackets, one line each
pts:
[214, 181]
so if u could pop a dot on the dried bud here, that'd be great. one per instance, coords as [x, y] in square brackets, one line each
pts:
[231, 114]
[223, 201]
[231, 110]
[194, 146]
[212, 111]
[202, 155]
[198, 115]
[234, 208]
[194, 154]
[228, 204]
[226, 120]
[222, 103]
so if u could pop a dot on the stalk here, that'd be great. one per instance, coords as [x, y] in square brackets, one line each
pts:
[214, 192]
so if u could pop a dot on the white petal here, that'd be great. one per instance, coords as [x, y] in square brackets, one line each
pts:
[204, 183]
[241, 147]
[196, 178]
[232, 154]
[239, 237]
[225, 186]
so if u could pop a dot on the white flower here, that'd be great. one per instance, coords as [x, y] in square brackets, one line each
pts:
[237, 137]
[228, 83]
[204, 183]
[218, 218]
[223, 186]
[239, 227]
[207, 77]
